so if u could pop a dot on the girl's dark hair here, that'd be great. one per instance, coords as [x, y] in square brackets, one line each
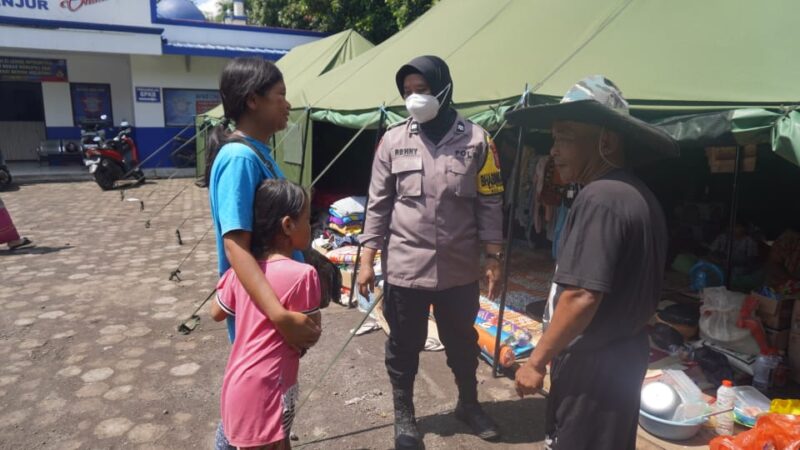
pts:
[275, 199]
[241, 78]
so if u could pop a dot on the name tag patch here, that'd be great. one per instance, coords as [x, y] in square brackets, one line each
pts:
[405, 152]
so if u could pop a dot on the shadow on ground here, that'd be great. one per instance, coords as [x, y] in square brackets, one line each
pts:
[517, 420]
[35, 250]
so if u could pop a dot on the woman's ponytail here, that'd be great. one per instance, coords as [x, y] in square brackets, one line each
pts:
[218, 137]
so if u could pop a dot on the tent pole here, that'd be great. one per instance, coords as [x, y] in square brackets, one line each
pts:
[516, 175]
[304, 143]
[378, 135]
[734, 212]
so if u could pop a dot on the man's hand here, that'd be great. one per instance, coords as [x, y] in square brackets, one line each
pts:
[299, 330]
[494, 273]
[529, 380]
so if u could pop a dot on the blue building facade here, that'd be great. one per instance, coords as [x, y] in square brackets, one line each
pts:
[155, 64]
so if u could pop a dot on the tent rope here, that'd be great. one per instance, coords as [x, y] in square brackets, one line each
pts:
[519, 104]
[324, 373]
[295, 126]
[344, 149]
[175, 274]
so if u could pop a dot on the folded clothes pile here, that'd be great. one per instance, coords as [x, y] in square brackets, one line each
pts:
[347, 216]
[346, 256]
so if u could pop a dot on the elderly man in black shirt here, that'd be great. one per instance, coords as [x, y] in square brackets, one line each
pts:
[609, 269]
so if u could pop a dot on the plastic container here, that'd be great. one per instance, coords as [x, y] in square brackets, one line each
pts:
[669, 429]
[660, 400]
[486, 342]
[686, 388]
[785, 406]
[749, 404]
[726, 398]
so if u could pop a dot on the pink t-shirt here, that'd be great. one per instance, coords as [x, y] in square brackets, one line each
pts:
[261, 375]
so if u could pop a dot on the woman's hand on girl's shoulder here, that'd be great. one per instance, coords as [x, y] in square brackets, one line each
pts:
[298, 329]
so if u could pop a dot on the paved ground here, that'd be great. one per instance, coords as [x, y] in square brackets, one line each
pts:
[92, 360]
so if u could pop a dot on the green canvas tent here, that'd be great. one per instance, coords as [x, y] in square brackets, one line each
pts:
[301, 65]
[677, 58]
[706, 69]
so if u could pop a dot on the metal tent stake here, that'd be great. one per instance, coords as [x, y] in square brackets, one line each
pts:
[304, 143]
[516, 175]
[734, 212]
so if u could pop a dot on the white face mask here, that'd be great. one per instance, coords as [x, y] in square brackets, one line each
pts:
[424, 107]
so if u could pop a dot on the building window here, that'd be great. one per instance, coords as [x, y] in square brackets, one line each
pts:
[90, 101]
[22, 102]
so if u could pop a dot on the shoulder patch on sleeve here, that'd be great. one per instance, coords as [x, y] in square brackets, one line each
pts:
[489, 180]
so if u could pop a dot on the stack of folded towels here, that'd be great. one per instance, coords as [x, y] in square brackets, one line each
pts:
[347, 216]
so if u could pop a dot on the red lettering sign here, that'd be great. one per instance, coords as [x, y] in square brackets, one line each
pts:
[74, 5]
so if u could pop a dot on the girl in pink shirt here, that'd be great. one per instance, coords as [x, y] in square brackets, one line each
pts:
[259, 389]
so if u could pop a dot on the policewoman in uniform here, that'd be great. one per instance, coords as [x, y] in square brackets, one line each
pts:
[435, 205]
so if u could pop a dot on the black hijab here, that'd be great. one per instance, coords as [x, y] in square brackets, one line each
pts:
[437, 74]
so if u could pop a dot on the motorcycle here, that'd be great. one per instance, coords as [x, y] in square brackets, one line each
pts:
[5, 174]
[111, 160]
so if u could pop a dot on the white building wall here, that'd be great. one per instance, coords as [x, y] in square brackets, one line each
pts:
[118, 12]
[171, 71]
[84, 68]
[80, 40]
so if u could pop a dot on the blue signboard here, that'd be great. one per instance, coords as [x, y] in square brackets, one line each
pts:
[32, 69]
[148, 94]
[90, 102]
[182, 105]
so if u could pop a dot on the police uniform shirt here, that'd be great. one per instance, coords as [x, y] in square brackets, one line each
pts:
[431, 206]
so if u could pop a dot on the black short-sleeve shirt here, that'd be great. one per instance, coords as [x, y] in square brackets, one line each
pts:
[614, 241]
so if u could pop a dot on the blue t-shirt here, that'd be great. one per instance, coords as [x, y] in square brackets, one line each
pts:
[235, 175]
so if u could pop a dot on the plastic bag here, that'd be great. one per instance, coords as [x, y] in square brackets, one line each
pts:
[772, 431]
[718, 317]
[715, 365]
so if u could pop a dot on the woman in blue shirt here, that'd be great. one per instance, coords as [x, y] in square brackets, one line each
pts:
[254, 98]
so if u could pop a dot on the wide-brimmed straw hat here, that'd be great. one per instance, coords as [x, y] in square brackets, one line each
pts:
[597, 100]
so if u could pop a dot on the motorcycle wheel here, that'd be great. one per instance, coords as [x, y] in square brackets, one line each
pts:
[106, 174]
[5, 179]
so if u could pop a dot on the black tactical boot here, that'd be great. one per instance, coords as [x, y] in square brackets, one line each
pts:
[469, 411]
[406, 435]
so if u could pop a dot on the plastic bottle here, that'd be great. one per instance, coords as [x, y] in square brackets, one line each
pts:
[762, 371]
[725, 400]
[487, 343]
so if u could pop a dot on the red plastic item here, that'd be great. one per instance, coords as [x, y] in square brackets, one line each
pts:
[748, 320]
[772, 431]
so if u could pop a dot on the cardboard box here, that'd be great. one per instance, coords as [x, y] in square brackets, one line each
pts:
[778, 339]
[723, 159]
[794, 355]
[775, 314]
[347, 278]
[729, 166]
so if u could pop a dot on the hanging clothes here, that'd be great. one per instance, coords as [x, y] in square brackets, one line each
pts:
[538, 206]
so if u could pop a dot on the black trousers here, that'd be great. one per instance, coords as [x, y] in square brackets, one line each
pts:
[407, 310]
[594, 397]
